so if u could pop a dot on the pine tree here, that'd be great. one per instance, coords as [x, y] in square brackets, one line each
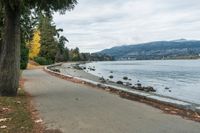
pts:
[62, 53]
[49, 44]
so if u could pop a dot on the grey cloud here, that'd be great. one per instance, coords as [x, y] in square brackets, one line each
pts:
[98, 24]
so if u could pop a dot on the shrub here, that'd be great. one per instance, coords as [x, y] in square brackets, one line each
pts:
[24, 57]
[43, 61]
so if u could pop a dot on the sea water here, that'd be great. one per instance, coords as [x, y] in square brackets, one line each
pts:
[179, 79]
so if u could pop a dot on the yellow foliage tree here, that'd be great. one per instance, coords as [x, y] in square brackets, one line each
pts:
[34, 45]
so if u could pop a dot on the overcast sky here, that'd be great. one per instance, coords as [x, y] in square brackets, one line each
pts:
[99, 24]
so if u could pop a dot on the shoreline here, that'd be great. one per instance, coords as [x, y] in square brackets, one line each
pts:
[67, 69]
[166, 104]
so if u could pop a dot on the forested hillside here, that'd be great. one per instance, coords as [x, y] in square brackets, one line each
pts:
[156, 50]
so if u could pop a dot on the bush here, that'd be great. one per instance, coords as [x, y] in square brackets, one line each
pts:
[43, 61]
[24, 57]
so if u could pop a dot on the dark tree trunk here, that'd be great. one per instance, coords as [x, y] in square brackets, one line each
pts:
[10, 52]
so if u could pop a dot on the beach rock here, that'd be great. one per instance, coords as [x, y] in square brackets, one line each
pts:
[149, 89]
[133, 87]
[139, 85]
[92, 69]
[102, 80]
[140, 88]
[125, 78]
[128, 84]
[111, 76]
[55, 70]
[76, 66]
[146, 89]
[166, 88]
[119, 82]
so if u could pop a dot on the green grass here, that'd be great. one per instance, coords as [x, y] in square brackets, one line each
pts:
[18, 114]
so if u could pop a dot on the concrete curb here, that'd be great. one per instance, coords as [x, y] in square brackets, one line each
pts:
[161, 99]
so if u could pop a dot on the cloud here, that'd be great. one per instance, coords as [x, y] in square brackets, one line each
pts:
[95, 25]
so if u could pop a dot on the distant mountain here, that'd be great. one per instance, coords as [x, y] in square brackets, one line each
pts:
[181, 48]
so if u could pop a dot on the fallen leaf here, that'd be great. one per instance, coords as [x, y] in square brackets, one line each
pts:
[167, 109]
[173, 112]
[3, 119]
[18, 102]
[38, 121]
[3, 127]
[5, 109]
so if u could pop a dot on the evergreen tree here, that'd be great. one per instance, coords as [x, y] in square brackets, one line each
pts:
[74, 54]
[62, 53]
[10, 45]
[28, 23]
[49, 44]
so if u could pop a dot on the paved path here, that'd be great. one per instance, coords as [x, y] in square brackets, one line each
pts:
[76, 108]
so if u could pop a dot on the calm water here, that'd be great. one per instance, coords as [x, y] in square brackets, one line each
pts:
[182, 77]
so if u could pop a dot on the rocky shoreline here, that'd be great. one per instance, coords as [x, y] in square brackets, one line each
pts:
[167, 104]
[125, 82]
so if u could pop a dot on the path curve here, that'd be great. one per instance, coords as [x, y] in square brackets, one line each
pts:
[76, 108]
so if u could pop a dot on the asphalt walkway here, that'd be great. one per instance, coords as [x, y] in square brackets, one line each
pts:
[77, 108]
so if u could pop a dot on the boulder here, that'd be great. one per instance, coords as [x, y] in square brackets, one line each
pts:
[119, 82]
[111, 76]
[125, 78]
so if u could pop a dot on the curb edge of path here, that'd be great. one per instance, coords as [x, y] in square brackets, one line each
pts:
[183, 105]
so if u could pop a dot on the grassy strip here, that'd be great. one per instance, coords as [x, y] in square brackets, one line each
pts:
[18, 115]
[15, 116]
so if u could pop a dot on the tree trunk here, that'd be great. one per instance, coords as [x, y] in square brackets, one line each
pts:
[10, 52]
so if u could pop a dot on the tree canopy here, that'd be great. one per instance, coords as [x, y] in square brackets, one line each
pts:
[12, 14]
